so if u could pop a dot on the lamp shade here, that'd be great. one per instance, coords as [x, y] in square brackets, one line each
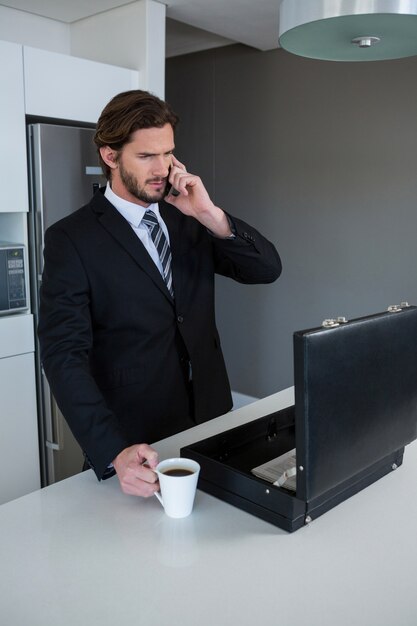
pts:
[349, 30]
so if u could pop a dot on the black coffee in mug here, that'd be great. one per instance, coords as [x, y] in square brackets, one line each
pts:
[177, 471]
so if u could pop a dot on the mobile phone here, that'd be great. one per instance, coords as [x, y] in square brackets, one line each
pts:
[170, 189]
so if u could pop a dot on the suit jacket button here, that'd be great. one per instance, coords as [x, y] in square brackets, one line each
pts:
[180, 319]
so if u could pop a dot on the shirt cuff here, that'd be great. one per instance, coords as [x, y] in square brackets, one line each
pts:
[232, 228]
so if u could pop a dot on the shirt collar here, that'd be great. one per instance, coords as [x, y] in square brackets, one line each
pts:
[132, 212]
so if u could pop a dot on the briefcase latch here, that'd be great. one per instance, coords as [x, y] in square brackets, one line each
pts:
[333, 322]
[394, 308]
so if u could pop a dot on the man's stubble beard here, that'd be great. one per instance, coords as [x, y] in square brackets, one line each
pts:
[131, 183]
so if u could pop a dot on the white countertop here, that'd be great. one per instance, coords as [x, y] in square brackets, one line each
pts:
[81, 553]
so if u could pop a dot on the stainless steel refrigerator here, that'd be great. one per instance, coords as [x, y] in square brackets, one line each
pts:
[63, 175]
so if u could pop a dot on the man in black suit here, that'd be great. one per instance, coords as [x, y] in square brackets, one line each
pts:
[127, 324]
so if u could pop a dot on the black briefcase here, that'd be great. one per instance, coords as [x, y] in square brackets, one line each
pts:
[355, 410]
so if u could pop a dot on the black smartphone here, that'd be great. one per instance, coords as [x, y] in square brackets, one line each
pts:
[171, 189]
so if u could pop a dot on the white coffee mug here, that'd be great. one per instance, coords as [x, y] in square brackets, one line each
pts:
[178, 483]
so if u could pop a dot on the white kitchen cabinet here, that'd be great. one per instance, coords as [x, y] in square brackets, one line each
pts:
[19, 447]
[16, 337]
[71, 88]
[13, 167]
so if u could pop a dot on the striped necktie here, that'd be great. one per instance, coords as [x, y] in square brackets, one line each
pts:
[162, 247]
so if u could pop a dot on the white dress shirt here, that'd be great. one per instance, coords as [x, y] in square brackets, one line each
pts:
[134, 213]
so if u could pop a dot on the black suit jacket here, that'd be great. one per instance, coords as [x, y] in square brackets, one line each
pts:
[115, 346]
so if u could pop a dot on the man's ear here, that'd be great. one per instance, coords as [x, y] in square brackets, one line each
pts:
[109, 156]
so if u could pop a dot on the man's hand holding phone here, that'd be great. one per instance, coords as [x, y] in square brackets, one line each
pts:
[193, 200]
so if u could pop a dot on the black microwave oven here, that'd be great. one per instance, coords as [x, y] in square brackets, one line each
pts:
[13, 296]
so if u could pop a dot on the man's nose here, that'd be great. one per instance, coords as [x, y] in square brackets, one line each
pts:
[160, 167]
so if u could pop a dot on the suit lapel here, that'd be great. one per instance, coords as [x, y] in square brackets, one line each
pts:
[121, 231]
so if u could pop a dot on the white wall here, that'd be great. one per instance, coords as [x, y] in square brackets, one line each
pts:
[131, 36]
[32, 30]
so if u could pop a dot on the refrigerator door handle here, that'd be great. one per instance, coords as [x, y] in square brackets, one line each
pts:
[53, 419]
[40, 242]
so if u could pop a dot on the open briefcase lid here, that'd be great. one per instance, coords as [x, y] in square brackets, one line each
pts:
[355, 396]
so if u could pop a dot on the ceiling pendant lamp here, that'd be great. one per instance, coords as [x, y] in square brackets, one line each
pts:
[349, 30]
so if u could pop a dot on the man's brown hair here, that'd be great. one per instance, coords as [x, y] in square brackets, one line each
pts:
[124, 114]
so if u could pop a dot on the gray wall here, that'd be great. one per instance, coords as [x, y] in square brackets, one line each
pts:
[321, 157]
